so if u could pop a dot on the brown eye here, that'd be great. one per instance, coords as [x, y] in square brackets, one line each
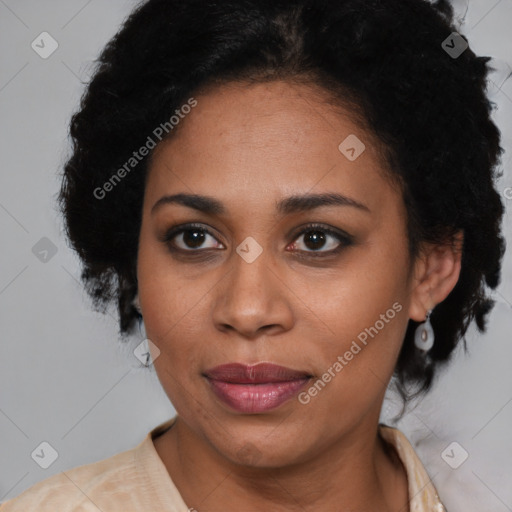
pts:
[314, 240]
[189, 238]
[321, 240]
[193, 238]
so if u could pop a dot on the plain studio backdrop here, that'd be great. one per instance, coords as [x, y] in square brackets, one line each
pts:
[66, 380]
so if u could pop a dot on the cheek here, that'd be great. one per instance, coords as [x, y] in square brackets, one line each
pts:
[356, 365]
[358, 292]
[168, 302]
[366, 316]
[164, 294]
[367, 337]
[172, 322]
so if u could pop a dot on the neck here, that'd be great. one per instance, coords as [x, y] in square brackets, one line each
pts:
[356, 472]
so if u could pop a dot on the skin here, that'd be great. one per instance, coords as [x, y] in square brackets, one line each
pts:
[249, 147]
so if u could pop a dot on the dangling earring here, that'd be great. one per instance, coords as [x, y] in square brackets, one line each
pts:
[424, 334]
[142, 327]
[136, 304]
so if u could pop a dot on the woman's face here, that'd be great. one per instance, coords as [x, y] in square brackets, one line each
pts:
[261, 285]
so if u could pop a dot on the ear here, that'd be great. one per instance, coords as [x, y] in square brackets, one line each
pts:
[436, 272]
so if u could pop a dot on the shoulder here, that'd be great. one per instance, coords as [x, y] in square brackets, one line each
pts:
[84, 488]
[423, 494]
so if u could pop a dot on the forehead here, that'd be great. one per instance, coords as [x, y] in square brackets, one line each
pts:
[262, 141]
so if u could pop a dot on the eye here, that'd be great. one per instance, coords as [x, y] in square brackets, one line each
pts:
[316, 238]
[191, 237]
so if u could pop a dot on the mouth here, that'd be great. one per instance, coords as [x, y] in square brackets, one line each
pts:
[255, 388]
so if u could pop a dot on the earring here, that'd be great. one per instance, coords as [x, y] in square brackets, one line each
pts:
[136, 304]
[424, 334]
[142, 328]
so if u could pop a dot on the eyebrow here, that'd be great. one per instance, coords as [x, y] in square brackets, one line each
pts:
[291, 204]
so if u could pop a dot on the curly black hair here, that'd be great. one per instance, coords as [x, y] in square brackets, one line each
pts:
[384, 58]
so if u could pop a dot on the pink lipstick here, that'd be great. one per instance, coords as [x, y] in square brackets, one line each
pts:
[255, 388]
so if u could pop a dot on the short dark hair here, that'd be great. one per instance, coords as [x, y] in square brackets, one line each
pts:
[382, 58]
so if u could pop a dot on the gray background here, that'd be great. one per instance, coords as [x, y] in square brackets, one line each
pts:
[66, 380]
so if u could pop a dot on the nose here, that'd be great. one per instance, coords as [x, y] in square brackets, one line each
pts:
[252, 299]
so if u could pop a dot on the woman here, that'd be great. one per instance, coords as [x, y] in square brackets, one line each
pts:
[297, 199]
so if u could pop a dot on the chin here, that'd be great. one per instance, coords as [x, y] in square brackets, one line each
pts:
[260, 451]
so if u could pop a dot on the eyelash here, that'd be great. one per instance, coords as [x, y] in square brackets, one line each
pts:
[344, 238]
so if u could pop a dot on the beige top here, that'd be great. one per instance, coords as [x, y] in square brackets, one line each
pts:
[136, 480]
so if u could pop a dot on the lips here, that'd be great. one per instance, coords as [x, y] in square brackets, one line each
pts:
[255, 388]
[254, 374]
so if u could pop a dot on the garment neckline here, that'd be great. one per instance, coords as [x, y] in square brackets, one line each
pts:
[422, 493]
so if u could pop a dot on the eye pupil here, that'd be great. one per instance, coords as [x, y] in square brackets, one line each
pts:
[316, 237]
[193, 237]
